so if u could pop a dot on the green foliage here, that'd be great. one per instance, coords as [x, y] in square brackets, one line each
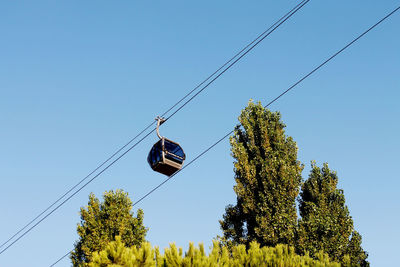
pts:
[101, 222]
[325, 222]
[268, 179]
[116, 254]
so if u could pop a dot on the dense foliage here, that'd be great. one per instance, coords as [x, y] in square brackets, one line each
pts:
[116, 254]
[102, 221]
[268, 179]
[325, 222]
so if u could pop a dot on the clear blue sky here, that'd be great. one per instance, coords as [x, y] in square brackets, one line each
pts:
[79, 79]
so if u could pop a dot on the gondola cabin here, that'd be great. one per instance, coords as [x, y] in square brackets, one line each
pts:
[166, 157]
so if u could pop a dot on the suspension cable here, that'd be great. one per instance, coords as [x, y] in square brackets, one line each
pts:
[254, 43]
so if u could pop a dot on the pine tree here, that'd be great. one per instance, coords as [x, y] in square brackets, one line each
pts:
[116, 254]
[268, 179]
[102, 221]
[325, 222]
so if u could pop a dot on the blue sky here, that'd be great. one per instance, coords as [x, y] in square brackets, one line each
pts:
[79, 79]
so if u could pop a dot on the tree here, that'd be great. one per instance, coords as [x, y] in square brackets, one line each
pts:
[102, 221]
[325, 222]
[268, 179]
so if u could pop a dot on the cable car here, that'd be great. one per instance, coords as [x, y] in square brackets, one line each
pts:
[165, 156]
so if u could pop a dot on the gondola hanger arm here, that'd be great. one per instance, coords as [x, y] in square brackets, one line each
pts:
[160, 120]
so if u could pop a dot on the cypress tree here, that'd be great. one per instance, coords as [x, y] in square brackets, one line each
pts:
[268, 179]
[101, 222]
[325, 222]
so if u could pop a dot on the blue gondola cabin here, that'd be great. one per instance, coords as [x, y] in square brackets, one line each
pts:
[166, 157]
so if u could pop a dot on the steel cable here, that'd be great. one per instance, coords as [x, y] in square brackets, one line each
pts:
[260, 38]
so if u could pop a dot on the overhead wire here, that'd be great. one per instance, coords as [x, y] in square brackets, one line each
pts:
[271, 30]
[75, 186]
[60, 259]
[266, 106]
[254, 43]
[265, 34]
[147, 127]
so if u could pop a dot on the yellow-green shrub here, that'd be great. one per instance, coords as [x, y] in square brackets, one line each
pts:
[116, 255]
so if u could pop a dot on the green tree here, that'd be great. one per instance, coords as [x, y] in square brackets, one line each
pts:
[325, 222]
[102, 221]
[268, 179]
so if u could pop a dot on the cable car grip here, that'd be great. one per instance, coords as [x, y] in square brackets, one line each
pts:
[160, 120]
